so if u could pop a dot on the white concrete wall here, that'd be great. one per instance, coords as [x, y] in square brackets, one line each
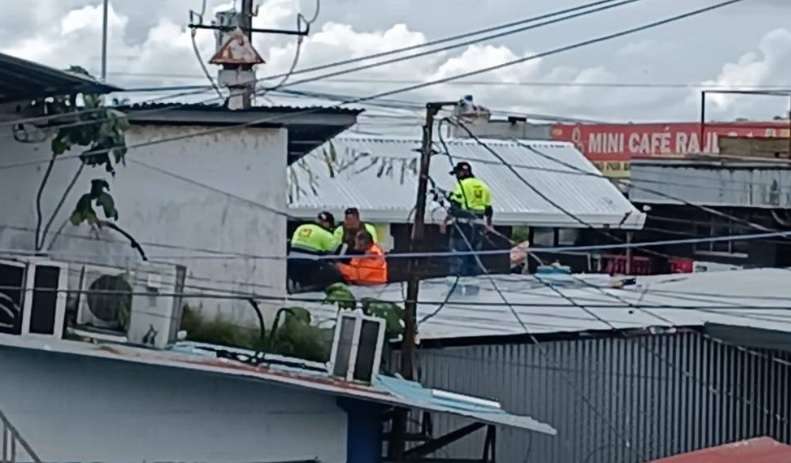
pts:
[72, 408]
[249, 163]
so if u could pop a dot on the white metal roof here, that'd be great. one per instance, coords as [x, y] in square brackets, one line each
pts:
[758, 298]
[379, 176]
[384, 390]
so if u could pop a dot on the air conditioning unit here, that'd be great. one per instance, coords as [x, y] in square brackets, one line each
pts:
[33, 297]
[140, 304]
[357, 347]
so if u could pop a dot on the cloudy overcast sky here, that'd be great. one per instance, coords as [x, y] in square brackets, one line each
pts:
[744, 45]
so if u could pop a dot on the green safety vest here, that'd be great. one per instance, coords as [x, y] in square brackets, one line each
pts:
[472, 195]
[368, 227]
[312, 237]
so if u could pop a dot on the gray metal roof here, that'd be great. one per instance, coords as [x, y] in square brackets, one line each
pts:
[758, 298]
[379, 176]
[384, 390]
[308, 127]
[733, 184]
[21, 80]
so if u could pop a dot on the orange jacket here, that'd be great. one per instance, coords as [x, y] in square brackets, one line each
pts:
[370, 269]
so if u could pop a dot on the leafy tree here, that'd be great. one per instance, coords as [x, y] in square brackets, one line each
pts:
[83, 122]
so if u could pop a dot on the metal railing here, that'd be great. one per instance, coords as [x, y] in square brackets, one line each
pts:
[11, 441]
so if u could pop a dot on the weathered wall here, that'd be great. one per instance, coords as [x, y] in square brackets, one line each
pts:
[159, 209]
[72, 408]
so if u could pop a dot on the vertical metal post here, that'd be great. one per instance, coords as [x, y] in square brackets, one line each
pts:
[104, 41]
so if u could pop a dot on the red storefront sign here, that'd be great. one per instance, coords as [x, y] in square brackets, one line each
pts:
[612, 146]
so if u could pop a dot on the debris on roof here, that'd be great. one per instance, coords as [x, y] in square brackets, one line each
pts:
[378, 175]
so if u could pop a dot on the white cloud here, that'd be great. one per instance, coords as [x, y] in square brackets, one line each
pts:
[769, 64]
[159, 44]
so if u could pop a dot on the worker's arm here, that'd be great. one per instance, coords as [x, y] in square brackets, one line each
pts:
[488, 211]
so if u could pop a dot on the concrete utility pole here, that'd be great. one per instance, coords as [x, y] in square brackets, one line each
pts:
[104, 41]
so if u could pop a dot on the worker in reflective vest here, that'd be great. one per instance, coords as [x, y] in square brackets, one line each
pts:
[305, 270]
[369, 268]
[471, 214]
[316, 238]
[346, 233]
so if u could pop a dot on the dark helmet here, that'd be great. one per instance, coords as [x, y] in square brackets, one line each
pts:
[325, 216]
[461, 168]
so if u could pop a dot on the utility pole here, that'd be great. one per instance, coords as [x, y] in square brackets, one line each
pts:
[409, 347]
[246, 23]
[104, 41]
[235, 51]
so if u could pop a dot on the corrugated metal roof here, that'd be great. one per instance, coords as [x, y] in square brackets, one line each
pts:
[733, 184]
[308, 127]
[385, 390]
[759, 450]
[756, 298]
[21, 79]
[379, 176]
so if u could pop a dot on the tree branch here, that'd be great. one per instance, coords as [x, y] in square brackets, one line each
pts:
[60, 203]
[132, 240]
[39, 194]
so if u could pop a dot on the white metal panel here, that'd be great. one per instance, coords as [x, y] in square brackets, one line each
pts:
[756, 298]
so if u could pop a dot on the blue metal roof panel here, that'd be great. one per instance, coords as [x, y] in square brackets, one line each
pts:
[379, 176]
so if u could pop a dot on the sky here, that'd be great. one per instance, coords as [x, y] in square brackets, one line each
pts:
[743, 45]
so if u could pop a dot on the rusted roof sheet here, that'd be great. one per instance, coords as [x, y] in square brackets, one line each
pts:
[759, 450]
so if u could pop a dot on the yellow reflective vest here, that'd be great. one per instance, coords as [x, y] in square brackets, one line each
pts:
[313, 237]
[472, 195]
[339, 238]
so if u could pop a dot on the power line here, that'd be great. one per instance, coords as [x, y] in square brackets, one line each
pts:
[380, 95]
[375, 55]
[461, 44]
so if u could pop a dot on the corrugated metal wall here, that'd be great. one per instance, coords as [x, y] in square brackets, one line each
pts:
[617, 399]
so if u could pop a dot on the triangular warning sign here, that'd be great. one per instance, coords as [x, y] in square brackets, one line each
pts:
[237, 50]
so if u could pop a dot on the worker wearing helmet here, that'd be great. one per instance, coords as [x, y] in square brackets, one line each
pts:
[306, 271]
[471, 213]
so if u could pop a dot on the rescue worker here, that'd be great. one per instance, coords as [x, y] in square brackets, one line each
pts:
[305, 271]
[369, 268]
[471, 213]
[316, 238]
[346, 233]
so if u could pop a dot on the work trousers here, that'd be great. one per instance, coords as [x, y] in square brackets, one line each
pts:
[307, 273]
[466, 265]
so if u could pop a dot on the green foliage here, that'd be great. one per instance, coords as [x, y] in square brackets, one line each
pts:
[294, 337]
[340, 295]
[520, 234]
[217, 331]
[100, 131]
[392, 314]
[84, 211]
